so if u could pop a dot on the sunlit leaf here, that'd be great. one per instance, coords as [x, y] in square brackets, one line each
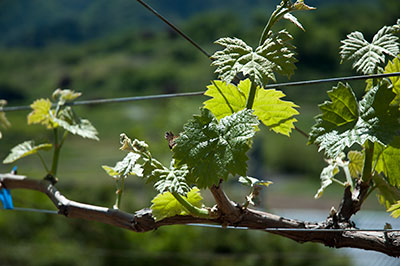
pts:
[367, 56]
[326, 178]
[274, 55]
[251, 181]
[41, 114]
[172, 179]
[273, 112]
[125, 167]
[213, 150]
[24, 149]
[63, 96]
[356, 163]
[165, 205]
[68, 120]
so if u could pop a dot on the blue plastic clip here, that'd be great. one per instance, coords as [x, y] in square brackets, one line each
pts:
[6, 199]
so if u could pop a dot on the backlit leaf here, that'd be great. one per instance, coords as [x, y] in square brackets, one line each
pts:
[41, 114]
[165, 205]
[377, 121]
[387, 194]
[395, 210]
[24, 149]
[392, 67]
[367, 56]
[388, 161]
[356, 163]
[273, 112]
[213, 150]
[4, 123]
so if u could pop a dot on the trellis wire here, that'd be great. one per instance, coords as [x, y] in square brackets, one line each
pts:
[233, 227]
[199, 93]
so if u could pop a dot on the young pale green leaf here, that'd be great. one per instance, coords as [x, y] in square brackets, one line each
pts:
[172, 179]
[378, 121]
[367, 56]
[110, 171]
[63, 96]
[24, 149]
[387, 194]
[388, 161]
[252, 181]
[275, 54]
[392, 67]
[326, 178]
[128, 166]
[356, 163]
[165, 205]
[3, 119]
[213, 150]
[395, 210]
[68, 120]
[42, 114]
[273, 112]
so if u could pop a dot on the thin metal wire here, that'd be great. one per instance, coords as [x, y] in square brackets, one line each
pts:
[297, 229]
[199, 93]
[30, 210]
[152, 10]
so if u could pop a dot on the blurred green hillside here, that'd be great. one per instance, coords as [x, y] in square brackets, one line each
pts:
[117, 48]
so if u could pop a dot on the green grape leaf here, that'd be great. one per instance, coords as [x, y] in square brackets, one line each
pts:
[388, 161]
[165, 205]
[356, 163]
[63, 96]
[395, 210]
[42, 114]
[392, 67]
[294, 20]
[172, 179]
[275, 54]
[367, 56]
[387, 194]
[3, 119]
[213, 150]
[252, 181]
[24, 149]
[326, 178]
[128, 166]
[68, 120]
[377, 121]
[273, 112]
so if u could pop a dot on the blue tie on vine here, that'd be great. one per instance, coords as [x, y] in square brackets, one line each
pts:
[5, 195]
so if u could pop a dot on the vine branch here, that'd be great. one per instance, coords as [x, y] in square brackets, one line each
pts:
[142, 220]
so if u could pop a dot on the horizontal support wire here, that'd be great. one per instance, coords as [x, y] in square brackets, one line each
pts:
[200, 93]
[234, 227]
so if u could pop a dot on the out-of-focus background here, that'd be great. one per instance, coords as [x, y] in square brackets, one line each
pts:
[117, 48]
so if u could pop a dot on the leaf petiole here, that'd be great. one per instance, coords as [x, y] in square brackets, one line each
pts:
[195, 211]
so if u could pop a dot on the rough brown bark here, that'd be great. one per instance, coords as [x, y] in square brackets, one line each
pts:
[142, 220]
